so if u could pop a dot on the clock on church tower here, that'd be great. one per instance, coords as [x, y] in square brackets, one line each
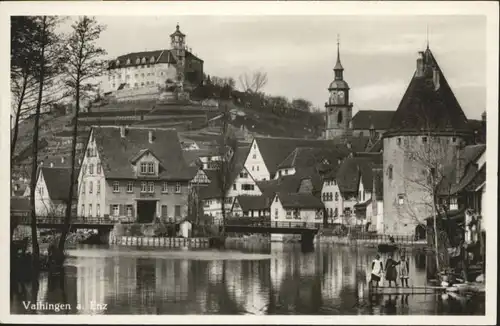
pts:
[338, 107]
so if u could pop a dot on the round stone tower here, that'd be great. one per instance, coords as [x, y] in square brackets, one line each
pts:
[422, 144]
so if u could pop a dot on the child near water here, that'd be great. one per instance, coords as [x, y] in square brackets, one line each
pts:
[377, 269]
[404, 271]
[390, 271]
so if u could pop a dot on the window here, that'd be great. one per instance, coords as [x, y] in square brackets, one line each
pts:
[257, 168]
[247, 187]
[177, 210]
[83, 210]
[276, 199]
[151, 168]
[99, 167]
[164, 187]
[243, 175]
[276, 213]
[98, 210]
[364, 195]
[129, 210]
[234, 186]
[164, 211]
[144, 187]
[288, 213]
[98, 187]
[335, 212]
[90, 209]
[116, 186]
[424, 139]
[151, 187]
[336, 196]
[254, 156]
[399, 141]
[401, 199]
[254, 146]
[339, 117]
[177, 188]
[253, 168]
[116, 210]
[130, 186]
[91, 168]
[144, 168]
[454, 139]
[389, 172]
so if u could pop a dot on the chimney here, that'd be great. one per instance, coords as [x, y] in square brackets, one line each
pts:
[122, 131]
[62, 159]
[51, 164]
[420, 65]
[435, 78]
[483, 116]
[150, 136]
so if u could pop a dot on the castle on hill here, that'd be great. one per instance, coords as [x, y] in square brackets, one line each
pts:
[166, 69]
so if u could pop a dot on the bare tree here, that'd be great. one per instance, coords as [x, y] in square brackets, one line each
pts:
[47, 48]
[253, 83]
[82, 68]
[429, 185]
[227, 150]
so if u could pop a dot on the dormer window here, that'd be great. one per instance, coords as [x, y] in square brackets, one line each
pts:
[117, 62]
[128, 61]
[143, 60]
[152, 60]
[147, 168]
[137, 61]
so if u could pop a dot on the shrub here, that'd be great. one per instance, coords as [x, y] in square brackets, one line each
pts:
[135, 230]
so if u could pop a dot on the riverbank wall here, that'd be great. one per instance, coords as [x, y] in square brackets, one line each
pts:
[370, 243]
[160, 242]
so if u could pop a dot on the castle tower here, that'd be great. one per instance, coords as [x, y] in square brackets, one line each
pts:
[178, 49]
[423, 141]
[338, 107]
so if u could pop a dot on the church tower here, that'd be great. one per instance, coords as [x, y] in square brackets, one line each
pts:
[338, 107]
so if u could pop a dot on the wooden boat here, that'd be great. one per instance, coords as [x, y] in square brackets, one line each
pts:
[385, 290]
[387, 248]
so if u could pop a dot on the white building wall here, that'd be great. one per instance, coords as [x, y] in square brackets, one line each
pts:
[254, 163]
[336, 202]
[284, 172]
[139, 76]
[86, 180]
[237, 187]
[44, 206]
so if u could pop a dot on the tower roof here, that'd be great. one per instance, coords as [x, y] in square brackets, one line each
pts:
[428, 103]
[177, 31]
[338, 65]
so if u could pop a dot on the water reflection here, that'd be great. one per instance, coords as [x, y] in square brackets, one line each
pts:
[330, 280]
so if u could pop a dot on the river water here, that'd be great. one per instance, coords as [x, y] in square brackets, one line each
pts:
[265, 279]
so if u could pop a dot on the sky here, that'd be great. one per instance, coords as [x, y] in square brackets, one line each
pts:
[298, 52]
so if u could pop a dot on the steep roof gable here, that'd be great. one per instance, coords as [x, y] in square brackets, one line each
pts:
[366, 119]
[116, 151]
[57, 181]
[300, 200]
[429, 103]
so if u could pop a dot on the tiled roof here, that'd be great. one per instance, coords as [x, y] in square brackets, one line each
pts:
[448, 184]
[57, 181]
[20, 203]
[276, 149]
[160, 56]
[116, 152]
[253, 202]
[365, 119]
[305, 201]
[425, 108]
[303, 157]
[213, 190]
[354, 168]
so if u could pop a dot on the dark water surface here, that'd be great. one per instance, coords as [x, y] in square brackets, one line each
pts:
[275, 279]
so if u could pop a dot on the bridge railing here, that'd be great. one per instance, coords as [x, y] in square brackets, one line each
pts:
[276, 224]
[60, 220]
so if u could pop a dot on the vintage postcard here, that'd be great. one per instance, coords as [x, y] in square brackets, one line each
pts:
[291, 162]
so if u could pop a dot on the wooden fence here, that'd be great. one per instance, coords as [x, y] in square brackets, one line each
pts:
[162, 242]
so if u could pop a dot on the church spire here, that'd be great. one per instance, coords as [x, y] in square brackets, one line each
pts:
[338, 69]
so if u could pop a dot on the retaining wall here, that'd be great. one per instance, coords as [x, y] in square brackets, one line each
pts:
[160, 242]
[365, 242]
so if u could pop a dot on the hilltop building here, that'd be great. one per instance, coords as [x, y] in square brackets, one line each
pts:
[174, 66]
[134, 174]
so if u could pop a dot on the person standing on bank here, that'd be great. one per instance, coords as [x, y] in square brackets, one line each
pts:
[391, 274]
[377, 268]
[404, 271]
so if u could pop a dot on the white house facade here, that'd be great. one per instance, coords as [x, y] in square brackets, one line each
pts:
[255, 164]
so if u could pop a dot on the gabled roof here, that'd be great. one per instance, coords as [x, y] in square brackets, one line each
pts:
[354, 169]
[304, 201]
[116, 152]
[426, 107]
[275, 150]
[304, 157]
[253, 202]
[366, 119]
[57, 181]
[140, 154]
[160, 56]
